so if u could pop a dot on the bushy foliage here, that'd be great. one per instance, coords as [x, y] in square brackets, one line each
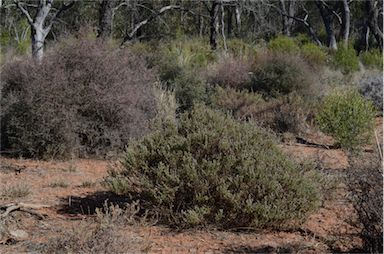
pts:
[239, 48]
[283, 44]
[189, 90]
[83, 99]
[276, 74]
[313, 54]
[373, 59]
[365, 181]
[345, 59]
[212, 170]
[371, 87]
[348, 117]
[283, 114]
[230, 71]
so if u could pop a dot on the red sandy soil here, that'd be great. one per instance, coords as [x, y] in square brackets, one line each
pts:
[329, 229]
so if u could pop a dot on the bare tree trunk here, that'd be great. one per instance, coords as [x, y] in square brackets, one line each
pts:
[287, 21]
[372, 16]
[238, 19]
[38, 31]
[214, 11]
[346, 20]
[327, 17]
[105, 19]
[223, 26]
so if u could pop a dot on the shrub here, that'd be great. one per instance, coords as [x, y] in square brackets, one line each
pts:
[15, 191]
[189, 89]
[373, 59]
[348, 117]
[275, 75]
[83, 99]
[346, 60]
[239, 48]
[283, 44]
[371, 87]
[313, 54]
[212, 170]
[230, 71]
[365, 181]
[284, 114]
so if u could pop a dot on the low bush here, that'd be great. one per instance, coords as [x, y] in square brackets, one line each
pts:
[313, 54]
[365, 181]
[189, 90]
[276, 74]
[346, 60]
[283, 114]
[348, 117]
[371, 87]
[84, 99]
[230, 71]
[210, 170]
[283, 44]
[372, 59]
[239, 48]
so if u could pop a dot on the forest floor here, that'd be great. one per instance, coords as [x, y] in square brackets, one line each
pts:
[70, 191]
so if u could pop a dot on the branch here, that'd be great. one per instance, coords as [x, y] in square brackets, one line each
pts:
[24, 11]
[130, 35]
[63, 8]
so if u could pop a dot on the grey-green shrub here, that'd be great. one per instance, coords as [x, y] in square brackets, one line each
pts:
[210, 170]
[313, 54]
[346, 60]
[280, 74]
[348, 117]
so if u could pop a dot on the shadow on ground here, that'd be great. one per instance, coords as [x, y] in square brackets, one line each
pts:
[75, 205]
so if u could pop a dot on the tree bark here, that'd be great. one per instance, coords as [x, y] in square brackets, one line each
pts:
[346, 20]
[229, 22]
[105, 19]
[372, 18]
[287, 22]
[238, 19]
[214, 22]
[327, 18]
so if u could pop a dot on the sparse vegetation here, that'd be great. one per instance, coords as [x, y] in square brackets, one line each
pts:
[59, 183]
[373, 59]
[15, 191]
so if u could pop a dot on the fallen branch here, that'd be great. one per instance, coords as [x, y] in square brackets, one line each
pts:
[23, 207]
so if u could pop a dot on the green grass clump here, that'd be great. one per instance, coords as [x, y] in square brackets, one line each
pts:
[372, 59]
[210, 170]
[348, 117]
[283, 44]
[346, 60]
[15, 191]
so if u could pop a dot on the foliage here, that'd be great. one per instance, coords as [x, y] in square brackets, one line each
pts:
[283, 44]
[371, 87]
[189, 90]
[283, 114]
[274, 75]
[346, 60]
[15, 191]
[313, 54]
[365, 181]
[230, 71]
[239, 48]
[348, 117]
[212, 170]
[83, 100]
[373, 59]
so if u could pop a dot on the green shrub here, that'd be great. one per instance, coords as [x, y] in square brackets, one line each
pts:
[239, 48]
[302, 39]
[313, 54]
[278, 74]
[212, 170]
[348, 117]
[346, 60]
[189, 89]
[372, 59]
[282, 44]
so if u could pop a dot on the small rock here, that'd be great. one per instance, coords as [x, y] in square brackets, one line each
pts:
[19, 234]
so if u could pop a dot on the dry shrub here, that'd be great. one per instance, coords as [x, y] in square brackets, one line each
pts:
[365, 180]
[230, 71]
[83, 99]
